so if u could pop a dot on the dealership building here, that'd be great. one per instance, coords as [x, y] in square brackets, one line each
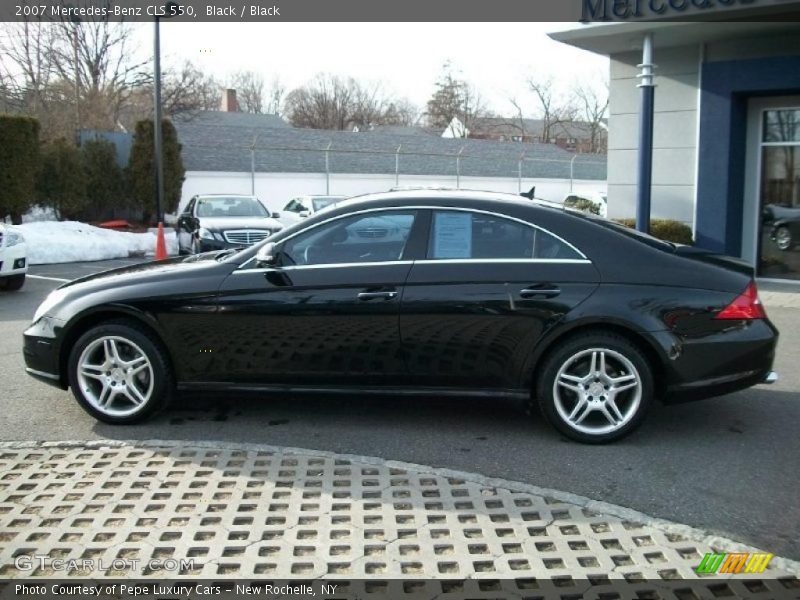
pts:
[725, 128]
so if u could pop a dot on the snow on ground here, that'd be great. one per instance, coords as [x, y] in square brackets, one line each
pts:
[70, 241]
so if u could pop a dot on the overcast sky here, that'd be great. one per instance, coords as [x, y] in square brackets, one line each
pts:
[496, 57]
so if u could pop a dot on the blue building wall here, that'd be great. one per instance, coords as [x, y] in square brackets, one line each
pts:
[726, 88]
[122, 142]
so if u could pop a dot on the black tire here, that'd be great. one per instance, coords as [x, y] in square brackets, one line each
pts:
[635, 403]
[163, 382]
[12, 283]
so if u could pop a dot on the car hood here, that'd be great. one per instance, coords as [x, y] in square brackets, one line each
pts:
[154, 271]
[228, 223]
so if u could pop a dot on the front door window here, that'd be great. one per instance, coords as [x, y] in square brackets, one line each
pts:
[779, 246]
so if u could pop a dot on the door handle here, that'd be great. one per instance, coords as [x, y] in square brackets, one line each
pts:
[540, 291]
[365, 296]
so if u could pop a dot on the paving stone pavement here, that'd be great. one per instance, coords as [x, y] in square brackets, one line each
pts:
[252, 511]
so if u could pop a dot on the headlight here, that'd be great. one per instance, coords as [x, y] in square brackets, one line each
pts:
[49, 303]
[13, 238]
[205, 234]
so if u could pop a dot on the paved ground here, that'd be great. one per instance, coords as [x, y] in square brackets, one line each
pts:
[728, 465]
[202, 511]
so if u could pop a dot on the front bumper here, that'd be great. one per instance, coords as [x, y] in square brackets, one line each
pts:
[207, 245]
[13, 260]
[41, 355]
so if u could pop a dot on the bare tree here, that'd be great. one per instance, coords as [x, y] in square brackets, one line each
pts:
[249, 87]
[592, 111]
[27, 64]
[455, 98]
[402, 112]
[332, 102]
[187, 89]
[326, 102]
[70, 75]
[96, 57]
[275, 96]
[552, 110]
[519, 120]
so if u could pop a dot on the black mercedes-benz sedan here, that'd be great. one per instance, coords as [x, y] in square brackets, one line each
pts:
[418, 293]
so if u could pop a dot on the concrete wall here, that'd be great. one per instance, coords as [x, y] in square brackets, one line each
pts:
[276, 189]
[674, 135]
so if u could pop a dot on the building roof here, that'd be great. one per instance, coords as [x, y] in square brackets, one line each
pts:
[223, 141]
[509, 126]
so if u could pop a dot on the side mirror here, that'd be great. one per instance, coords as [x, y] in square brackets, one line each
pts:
[276, 215]
[267, 255]
[304, 213]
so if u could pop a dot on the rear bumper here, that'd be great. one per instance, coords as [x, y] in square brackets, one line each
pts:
[720, 363]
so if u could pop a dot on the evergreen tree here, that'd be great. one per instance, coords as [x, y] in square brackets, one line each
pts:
[104, 184]
[61, 182]
[141, 169]
[19, 163]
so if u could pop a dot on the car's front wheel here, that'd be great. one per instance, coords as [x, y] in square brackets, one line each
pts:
[595, 388]
[119, 373]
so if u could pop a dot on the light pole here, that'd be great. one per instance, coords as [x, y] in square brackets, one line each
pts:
[170, 10]
[645, 171]
[76, 23]
[572, 172]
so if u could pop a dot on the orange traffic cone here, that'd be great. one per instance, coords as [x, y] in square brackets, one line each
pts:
[161, 243]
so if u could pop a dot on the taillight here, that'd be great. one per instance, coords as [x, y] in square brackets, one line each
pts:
[746, 306]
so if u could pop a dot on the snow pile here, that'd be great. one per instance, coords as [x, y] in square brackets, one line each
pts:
[70, 241]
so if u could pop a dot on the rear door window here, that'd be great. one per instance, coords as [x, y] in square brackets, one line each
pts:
[478, 236]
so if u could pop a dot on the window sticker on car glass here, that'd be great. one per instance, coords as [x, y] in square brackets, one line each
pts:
[452, 235]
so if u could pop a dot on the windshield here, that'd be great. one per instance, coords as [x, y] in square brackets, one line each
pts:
[230, 207]
[320, 203]
[294, 205]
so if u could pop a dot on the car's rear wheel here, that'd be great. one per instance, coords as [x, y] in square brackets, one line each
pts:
[119, 373]
[595, 388]
[12, 283]
[783, 238]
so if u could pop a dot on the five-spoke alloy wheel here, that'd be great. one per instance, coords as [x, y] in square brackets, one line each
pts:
[119, 374]
[595, 388]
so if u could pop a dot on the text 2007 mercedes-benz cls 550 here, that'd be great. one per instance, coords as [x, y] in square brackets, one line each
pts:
[418, 293]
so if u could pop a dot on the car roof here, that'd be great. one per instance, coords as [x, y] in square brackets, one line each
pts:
[226, 196]
[432, 195]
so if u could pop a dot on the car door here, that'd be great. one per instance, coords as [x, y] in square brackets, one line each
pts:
[327, 315]
[488, 289]
[186, 226]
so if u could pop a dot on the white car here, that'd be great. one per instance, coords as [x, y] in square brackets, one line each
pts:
[599, 199]
[301, 207]
[13, 258]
